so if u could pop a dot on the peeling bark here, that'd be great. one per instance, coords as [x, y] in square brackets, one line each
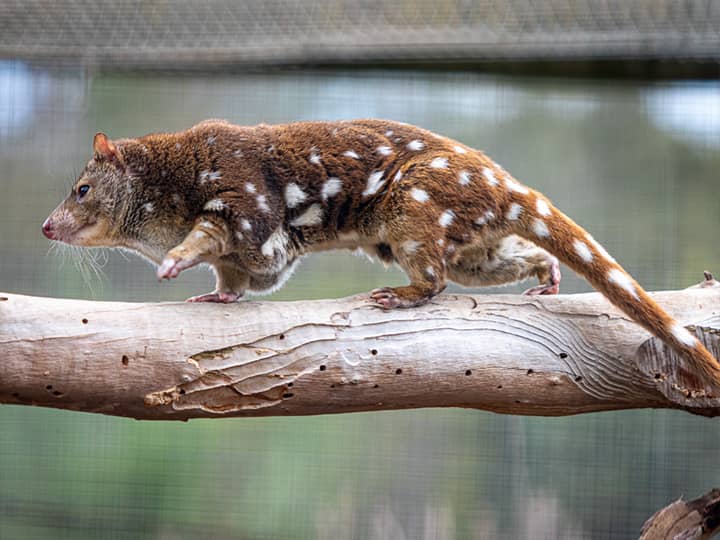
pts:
[555, 355]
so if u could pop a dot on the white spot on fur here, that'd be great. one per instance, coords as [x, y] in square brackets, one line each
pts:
[148, 207]
[250, 187]
[384, 150]
[420, 195]
[331, 187]
[459, 149]
[374, 183]
[211, 140]
[622, 280]
[398, 176]
[389, 133]
[512, 185]
[485, 218]
[446, 218]
[262, 203]
[490, 176]
[245, 225]
[207, 175]
[540, 228]
[351, 154]
[277, 241]
[237, 153]
[600, 249]
[163, 173]
[415, 145]
[514, 212]
[312, 216]
[440, 242]
[429, 271]
[215, 205]
[178, 146]
[271, 148]
[177, 199]
[239, 235]
[200, 235]
[439, 163]
[464, 178]
[314, 158]
[294, 195]
[683, 336]
[410, 246]
[543, 207]
[583, 251]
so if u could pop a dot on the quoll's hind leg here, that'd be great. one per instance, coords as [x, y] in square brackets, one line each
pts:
[424, 264]
[510, 260]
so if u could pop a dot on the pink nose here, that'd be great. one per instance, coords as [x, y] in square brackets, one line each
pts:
[48, 230]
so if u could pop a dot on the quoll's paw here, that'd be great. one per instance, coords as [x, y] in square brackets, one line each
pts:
[171, 267]
[548, 288]
[385, 298]
[400, 297]
[219, 298]
[553, 284]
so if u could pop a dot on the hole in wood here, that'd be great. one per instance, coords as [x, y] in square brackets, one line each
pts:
[578, 378]
[125, 360]
[398, 371]
[3, 298]
[499, 386]
[281, 336]
[376, 386]
[48, 387]
[57, 393]
[373, 352]
[84, 321]
[290, 385]
[288, 395]
[530, 371]
[468, 372]
[323, 367]
[181, 391]
[563, 355]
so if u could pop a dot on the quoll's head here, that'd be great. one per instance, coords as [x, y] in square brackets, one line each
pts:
[87, 216]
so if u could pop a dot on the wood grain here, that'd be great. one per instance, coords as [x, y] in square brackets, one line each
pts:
[550, 356]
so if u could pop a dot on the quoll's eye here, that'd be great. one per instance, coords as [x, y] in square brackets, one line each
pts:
[82, 190]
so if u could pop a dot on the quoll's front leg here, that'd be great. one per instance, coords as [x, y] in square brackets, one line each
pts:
[207, 242]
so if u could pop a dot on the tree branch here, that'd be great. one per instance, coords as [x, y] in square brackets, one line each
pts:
[559, 355]
[698, 519]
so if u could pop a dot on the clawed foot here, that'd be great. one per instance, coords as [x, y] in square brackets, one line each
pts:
[399, 297]
[216, 297]
[548, 288]
[172, 266]
[553, 284]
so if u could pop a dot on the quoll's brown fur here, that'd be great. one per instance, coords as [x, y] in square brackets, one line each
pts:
[250, 201]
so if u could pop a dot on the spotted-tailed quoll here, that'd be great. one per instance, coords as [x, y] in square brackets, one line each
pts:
[251, 201]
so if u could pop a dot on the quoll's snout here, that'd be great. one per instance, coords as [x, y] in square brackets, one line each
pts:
[47, 229]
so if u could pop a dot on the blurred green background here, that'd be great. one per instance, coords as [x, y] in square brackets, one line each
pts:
[636, 162]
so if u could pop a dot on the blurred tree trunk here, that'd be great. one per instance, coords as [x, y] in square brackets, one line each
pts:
[559, 355]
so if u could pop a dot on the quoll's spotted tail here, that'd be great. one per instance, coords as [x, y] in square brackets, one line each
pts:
[533, 217]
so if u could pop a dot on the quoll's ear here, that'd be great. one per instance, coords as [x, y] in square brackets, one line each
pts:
[105, 148]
